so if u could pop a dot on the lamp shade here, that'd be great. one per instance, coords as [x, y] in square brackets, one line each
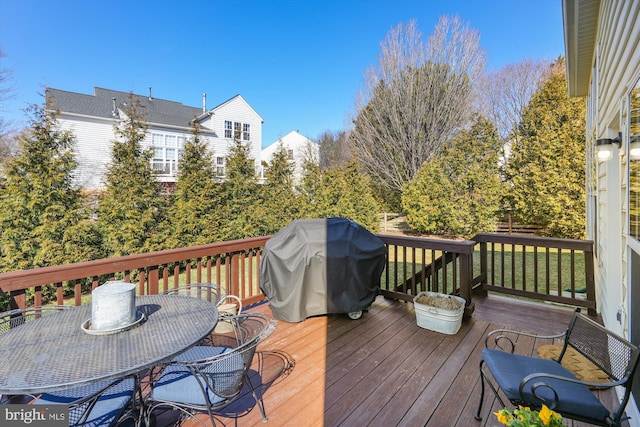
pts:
[604, 147]
[604, 151]
[634, 148]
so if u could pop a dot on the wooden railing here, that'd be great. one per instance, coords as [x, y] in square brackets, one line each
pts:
[516, 265]
[233, 265]
[549, 269]
[417, 264]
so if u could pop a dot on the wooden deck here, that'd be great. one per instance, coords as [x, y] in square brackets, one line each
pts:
[382, 369]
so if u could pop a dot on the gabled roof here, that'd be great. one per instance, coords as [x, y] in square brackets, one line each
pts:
[580, 31]
[100, 104]
[236, 98]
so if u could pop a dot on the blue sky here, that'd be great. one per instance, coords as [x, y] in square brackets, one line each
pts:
[299, 63]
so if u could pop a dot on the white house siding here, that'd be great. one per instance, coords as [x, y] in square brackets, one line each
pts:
[299, 146]
[95, 133]
[607, 81]
[93, 141]
[236, 110]
[616, 69]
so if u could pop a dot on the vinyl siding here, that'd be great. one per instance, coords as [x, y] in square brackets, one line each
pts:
[94, 139]
[236, 110]
[296, 142]
[616, 70]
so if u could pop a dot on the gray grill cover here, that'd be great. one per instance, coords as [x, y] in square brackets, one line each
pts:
[321, 266]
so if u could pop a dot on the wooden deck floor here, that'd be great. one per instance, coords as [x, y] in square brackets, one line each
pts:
[382, 369]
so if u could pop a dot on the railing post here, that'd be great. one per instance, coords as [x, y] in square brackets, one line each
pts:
[234, 275]
[590, 279]
[465, 282]
[484, 266]
[152, 280]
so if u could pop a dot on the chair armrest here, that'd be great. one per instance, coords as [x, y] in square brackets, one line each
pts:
[272, 325]
[503, 337]
[546, 386]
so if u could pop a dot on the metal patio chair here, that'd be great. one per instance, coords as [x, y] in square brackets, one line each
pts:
[206, 291]
[101, 404]
[208, 378]
[13, 318]
[106, 403]
[534, 381]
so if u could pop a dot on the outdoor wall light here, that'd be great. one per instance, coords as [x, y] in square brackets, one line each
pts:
[634, 147]
[604, 147]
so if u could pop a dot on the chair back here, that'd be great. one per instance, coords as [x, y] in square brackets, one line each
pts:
[614, 355]
[13, 318]
[225, 373]
[104, 403]
[229, 305]
[206, 291]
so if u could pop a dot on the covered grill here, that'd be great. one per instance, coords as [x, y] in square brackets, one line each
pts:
[321, 266]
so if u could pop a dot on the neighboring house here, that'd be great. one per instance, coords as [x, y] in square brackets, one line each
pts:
[602, 41]
[91, 118]
[298, 147]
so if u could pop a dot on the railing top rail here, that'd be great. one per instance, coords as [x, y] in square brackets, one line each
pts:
[15, 280]
[545, 242]
[461, 247]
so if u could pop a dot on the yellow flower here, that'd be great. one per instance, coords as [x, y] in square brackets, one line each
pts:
[547, 415]
[503, 416]
[525, 417]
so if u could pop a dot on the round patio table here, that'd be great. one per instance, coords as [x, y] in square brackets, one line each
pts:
[54, 352]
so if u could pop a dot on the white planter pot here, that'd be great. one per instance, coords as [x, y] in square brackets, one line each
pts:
[438, 319]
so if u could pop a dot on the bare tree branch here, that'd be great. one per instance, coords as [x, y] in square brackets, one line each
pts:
[416, 98]
[508, 91]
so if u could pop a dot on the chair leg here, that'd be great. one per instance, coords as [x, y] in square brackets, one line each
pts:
[484, 379]
[259, 402]
[478, 415]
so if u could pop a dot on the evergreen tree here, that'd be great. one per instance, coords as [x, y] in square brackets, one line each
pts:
[277, 204]
[41, 211]
[193, 212]
[131, 211]
[547, 166]
[341, 191]
[458, 193]
[309, 186]
[239, 193]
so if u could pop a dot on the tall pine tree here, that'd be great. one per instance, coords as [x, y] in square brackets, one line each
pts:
[131, 210]
[340, 191]
[42, 213]
[239, 192]
[547, 163]
[278, 201]
[193, 213]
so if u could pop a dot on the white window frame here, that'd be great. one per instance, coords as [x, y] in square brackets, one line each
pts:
[167, 149]
[228, 129]
[220, 166]
[246, 132]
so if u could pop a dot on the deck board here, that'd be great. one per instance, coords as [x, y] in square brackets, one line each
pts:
[382, 369]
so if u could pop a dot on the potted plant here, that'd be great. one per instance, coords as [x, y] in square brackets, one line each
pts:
[439, 312]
